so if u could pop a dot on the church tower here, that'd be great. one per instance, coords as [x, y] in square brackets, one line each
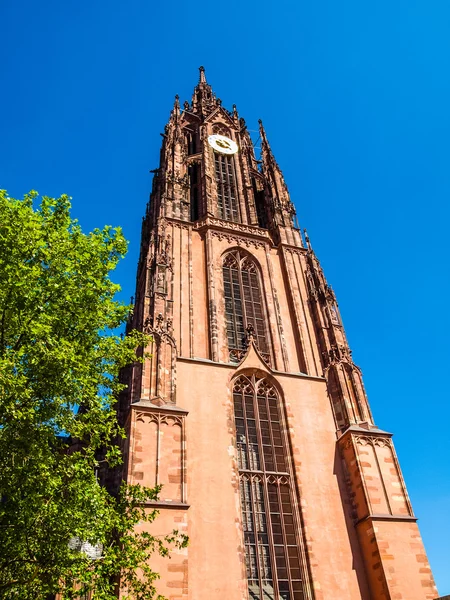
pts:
[250, 411]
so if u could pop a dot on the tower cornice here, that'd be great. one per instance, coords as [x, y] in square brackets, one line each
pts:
[232, 227]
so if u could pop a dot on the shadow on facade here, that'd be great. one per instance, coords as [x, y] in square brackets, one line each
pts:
[357, 565]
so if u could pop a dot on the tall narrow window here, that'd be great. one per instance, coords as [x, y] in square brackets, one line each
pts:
[194, 190]
[191, 141]
[259, 205]
[271, 530]
[226, 188]
[243, 305]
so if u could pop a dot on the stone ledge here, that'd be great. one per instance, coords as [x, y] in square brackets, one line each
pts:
[173, 505]
[376, 517]
[164, 408]
[234, 366]
[370, 430]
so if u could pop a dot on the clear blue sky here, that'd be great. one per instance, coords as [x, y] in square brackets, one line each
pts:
[355, 98]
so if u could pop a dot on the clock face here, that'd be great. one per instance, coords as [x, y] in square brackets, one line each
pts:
[222, 144]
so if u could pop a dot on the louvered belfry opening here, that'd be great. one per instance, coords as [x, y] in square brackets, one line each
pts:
[244, 305]
[271, 526]
[227, 202]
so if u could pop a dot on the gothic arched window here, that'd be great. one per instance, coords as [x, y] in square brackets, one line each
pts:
[270, 524]
[244, 305]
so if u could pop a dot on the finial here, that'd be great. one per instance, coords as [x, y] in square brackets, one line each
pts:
[202, 75]
[250, 334]
[235, 112]
[176, 105]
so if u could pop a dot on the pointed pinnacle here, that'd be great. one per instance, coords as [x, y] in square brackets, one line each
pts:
[307, 240]
[202, 78]
[262, 133]
[176, 107]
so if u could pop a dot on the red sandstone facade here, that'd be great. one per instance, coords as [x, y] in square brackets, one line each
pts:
[250, 411]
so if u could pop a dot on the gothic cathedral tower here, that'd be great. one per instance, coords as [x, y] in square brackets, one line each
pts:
[250, 411]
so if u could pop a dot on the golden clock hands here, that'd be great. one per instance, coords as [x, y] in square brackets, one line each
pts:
[223, 144]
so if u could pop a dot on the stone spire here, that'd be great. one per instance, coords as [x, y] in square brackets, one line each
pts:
[267, 156]
[202, 77]
[265, 146]
[283, 208]
[204, 100]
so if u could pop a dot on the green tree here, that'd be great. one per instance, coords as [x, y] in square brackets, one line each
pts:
[58, 352]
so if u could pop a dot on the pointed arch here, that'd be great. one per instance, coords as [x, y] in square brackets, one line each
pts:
[271, 524]
[162, 360]
[244, 304]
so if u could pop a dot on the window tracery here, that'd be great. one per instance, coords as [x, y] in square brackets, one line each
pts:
[244, 306]
[219, 129]
[273, 559]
